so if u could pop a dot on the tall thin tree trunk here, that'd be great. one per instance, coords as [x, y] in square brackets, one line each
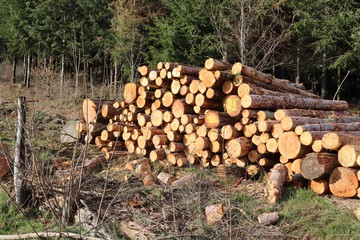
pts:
[13, 72]
[323, 79]
[62, 76]
[297, 78]
[338, 82]
[85, 69]
[28, 67]
[91, 82]
[76, 81]
[115, 78]
[21, 194]
[25, 69]
[242, 32]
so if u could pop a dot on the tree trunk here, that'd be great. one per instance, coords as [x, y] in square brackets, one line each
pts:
[21, 193]
[13, 72]
[28, 71]
[323, 80]
[338, 82]
[62, 76]
[318, 165]
[92, 81]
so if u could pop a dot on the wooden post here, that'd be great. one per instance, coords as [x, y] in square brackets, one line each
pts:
[19, 163]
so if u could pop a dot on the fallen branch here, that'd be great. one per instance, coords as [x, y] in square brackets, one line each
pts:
[47, 235]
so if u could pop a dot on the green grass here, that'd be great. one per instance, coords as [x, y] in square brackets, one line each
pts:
[13, 221]
[315, 216]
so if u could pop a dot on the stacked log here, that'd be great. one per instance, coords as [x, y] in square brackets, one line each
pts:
[229, 114]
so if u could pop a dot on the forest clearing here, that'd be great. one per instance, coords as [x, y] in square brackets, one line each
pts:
[202, 119]
[147, 197]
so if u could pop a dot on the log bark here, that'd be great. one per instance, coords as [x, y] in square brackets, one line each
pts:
[148, 180]
[215, 64]
[135, 231]
[228, 88]
[160, 140]
[157, 155]
[318, 165]
[201, 101]
[289, 123]
[275, 183]
[187, 70]
[176, 147]
[281, 113]
[329, 126]
[286, 85]
[165, 178]
[290, 146]
[216, 94]
[307, 138]
[267, 162]
[343, 182]
[109, 111]
[238, 147]
[185, 180]
[266, 125]
[268, 218]
[4, 159]
[260, 101]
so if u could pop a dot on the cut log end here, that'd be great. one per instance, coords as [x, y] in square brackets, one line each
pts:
[343, 182]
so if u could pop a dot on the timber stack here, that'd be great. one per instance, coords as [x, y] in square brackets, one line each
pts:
[230, 114]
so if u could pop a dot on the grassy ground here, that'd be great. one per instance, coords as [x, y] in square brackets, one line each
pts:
[170, 213]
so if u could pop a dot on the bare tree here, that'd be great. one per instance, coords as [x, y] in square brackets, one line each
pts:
[254, 31]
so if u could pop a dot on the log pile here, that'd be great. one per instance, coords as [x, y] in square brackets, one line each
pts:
[230, 114]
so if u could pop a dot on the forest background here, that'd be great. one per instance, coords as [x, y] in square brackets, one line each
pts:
[316, 43]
